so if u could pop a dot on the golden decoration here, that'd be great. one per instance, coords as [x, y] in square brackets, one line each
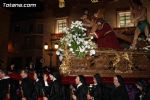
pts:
[122, 62]
[66, 64]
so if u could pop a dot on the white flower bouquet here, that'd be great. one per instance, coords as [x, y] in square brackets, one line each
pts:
[77, 41]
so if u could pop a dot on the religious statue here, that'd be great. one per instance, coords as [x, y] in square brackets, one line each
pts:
[139, 14]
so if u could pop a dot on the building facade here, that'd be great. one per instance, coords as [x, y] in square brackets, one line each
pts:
[4, 33]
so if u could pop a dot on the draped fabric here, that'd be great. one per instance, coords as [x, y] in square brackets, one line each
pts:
[106, 37]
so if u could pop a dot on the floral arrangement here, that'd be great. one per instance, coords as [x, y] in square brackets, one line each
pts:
[77, 41]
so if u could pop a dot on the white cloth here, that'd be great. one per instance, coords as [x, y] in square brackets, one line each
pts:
[79, 85]
[46, 83]
[37, 80]
[6, 77]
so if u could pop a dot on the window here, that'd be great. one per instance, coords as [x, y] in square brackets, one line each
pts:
[33, 42]
[61, 3]
[17, 28]
[61, 23]
[24, 28]
[40, 28]
[30, 28]
[94, 1]
[124, 19]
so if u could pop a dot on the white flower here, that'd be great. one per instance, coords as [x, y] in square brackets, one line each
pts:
[84, 34]
[91, 37]
[57, 52]
[148, 39]
[65, 30]
[60, 58]
[78, 42]
[69, 44]
[82, 42]
[88, 47]
[92, 52]
[71, 49]
[60, 49]
[81, 49]
[86, 42]
[74, 36]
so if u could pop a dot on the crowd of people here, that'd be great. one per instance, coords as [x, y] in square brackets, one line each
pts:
[48, 86]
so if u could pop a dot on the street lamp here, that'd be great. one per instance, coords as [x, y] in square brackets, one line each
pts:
[50, 50]
[56, 46]
[45, 46]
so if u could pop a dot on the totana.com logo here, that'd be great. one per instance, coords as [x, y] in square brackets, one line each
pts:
[8, 5]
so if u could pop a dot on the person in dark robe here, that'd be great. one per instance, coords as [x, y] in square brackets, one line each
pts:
[81, 89]
[120, 91]
[26, 85]
[105, 36]
[14, 86]
[4, 85]
[38, 86]
[99, 91]
[143, 90]
[46, 87]
[55, 87]
[147, 97]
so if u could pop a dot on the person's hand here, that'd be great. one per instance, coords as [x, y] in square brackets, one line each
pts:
[89, 97]
[93, 34]
[84, 17]
[45, 98]
[8, 96]
[20, 82]
[74, 97]
[23, 98]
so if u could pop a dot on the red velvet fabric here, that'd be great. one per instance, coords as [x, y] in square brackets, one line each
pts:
[107, 38]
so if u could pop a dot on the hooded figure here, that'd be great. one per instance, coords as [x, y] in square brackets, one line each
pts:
[144, 90]
[4, 85]
[55, 87]
[82, 90]
[120, 91]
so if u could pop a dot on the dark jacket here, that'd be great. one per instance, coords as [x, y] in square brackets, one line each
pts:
[55, 91]
[143, 95]
[27, 88]
[81, 92]
[4, 88]
[100, 92]
[37, 90]
[120, 93]
[97, 92]
[147, 96]
[14, 86]
[46, 90]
